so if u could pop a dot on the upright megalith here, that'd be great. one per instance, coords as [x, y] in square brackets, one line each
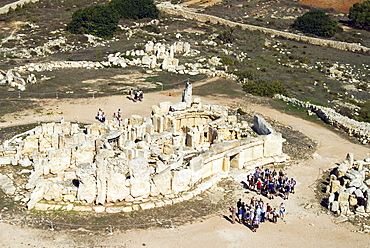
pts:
[187, 94]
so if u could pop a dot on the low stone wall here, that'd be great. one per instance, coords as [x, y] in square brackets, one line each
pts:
[5, 9]
[360, 130]
[180, 11]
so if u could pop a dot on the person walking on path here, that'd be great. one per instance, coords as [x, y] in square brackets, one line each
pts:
[233, 214]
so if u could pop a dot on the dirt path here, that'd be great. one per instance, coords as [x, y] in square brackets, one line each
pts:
[303, 227]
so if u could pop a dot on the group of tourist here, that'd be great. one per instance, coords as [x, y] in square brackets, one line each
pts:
[135, 95]
[270, 183]
[102, 117]
[255, 213]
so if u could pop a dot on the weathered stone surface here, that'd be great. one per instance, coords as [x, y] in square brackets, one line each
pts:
[344, 207]
[343, 196]
[353, 174]
[139, 168]
[261, 126]
[140, 188]
[334, 206]
[87, 189]
[163, 180]
[181, 180]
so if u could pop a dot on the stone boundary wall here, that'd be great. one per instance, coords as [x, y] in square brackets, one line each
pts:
[5, 9]
[178, 10]
[360, 130]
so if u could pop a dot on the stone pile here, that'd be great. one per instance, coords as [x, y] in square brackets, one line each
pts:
[349, 187]
[141, 163]
[360, 130]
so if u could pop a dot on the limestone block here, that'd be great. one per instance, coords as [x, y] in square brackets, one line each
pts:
[353, 174]
[367, 204]
[116, 187]
[196, 167]
[331, 197]
[334, 186]
[352, 200]
[153, 189]
[350, 158]
[261, 126]
[87, 189]
[159, 204]
[136, 120]
[360, 209]
[355, 183]
[83, 153]
[180, 106]
[82, 208]
[69, 198]
[58, 160]
[163, 180]
[359, 193]
[257, 152]
[147, 205]
[139, 168]
[6, 160]
[38, 193]
[30, 143]
[273, 145]
[164, 107]
[99, 209]
[69, 176]
[54, 193]
[343, 196]
[344, 207]
[25, 162]
[140, 187]
[181, 180]
[334, 206]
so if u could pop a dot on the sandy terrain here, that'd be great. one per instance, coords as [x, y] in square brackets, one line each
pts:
[301, 228]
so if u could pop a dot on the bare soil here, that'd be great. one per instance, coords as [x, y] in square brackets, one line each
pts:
[341, 5]
[306, 223]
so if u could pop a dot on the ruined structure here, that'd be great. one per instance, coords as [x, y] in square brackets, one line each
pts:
[140, 163]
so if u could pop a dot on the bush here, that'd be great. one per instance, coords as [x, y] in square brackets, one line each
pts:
[359, 14]
[316, 22]
[102, 20]
[134, 9]
[96, 20]
[263, 88]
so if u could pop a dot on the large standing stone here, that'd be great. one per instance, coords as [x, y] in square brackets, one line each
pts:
[139, 168]
[187, 95]
[87, 190]
[163, 181]
[116, 188]
[181, 180]
[261, 126]
[140, 188]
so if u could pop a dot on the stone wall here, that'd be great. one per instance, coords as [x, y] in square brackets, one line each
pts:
[360, 130]
[138, 163]
[180, 11]
[6, 8]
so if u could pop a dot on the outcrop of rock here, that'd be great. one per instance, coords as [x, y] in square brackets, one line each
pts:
[349, 187]
[137, 163]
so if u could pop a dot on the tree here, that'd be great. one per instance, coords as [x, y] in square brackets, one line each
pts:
[96, 20]
[359, 14]
[316, 22]
[135, 9]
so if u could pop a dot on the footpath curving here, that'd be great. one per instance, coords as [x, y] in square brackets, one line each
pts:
[180, 11]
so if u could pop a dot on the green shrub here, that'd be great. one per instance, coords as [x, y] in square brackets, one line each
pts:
[316, 22]
[96, 20]
[227, 60]
[359, 14]
[134, 9]
[263, 88]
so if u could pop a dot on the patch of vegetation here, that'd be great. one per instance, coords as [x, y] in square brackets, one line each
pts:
[317, 22]
[102, 20]
[98, 20]
[264, 88]
[359, 14]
